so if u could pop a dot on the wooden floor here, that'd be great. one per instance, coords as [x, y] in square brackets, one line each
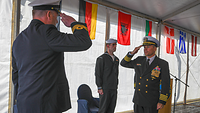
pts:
[192, 107]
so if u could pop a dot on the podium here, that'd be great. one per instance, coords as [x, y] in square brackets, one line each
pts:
[167, 107]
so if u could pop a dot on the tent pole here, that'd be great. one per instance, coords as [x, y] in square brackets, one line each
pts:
[181, 28]
[107, 27]
[158, 35]
[118, 7]
[14, 32]
[185, 95]
[182, 9]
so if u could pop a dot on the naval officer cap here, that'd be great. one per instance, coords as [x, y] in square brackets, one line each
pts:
[46, 5]
[109, 41]
[148, 40]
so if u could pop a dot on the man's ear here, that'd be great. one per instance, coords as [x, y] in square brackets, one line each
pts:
[107, 45]
[48, 15]
[155, 48]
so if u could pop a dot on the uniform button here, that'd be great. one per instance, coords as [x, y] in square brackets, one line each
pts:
[146, 91]
[139, 83]
[146, 85]
[140, 77]
[147, 79]
[138, 89]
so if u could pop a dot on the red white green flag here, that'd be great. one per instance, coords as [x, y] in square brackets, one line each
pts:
[148, 28]
[124, 28]
[170, 42]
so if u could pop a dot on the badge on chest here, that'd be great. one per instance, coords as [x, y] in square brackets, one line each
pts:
[155, 72]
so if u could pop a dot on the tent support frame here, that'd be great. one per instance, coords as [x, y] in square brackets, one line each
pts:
[142, 15]
[14, 32]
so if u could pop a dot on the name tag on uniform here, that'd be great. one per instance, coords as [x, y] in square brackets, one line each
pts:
[138, 64]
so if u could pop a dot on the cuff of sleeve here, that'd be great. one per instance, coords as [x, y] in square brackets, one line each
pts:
[163, 99]
[78, 26]
[128, 57]
[162, 102]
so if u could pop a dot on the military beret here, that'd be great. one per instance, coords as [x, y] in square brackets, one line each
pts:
[109, 41]
[46, 5]
[148, 40]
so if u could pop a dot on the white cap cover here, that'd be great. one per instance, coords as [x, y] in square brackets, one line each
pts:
[109, 41]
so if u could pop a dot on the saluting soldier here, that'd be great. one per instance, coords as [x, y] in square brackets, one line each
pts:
[150, 73]
[38, 59]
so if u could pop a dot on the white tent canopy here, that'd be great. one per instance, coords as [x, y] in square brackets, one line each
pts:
[182, 14]
[80, 65]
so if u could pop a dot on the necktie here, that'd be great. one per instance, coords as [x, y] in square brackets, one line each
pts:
[147, 63]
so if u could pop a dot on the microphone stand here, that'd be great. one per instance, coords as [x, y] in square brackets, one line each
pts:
[175, 90]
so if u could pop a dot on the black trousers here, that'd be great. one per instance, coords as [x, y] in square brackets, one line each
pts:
[144, 109]
[108, 101]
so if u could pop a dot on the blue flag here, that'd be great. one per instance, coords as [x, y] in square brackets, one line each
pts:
[182, 48]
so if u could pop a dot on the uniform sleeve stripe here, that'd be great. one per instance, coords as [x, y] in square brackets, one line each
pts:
[79, 27]
[128, 59]
[163, 97]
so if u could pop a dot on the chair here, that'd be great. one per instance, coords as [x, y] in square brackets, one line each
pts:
[86, 102]
[15, 109]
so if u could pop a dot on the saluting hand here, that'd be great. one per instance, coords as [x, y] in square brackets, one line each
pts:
[136, 49]
[67, 20]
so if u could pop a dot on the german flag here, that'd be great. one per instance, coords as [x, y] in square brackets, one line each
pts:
[88, 15]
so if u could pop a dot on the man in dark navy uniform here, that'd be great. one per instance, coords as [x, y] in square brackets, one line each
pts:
[38, 59]
[106, 72]
[150, 73]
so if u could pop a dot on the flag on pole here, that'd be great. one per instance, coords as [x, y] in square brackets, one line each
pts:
[194, 46]
[182, 47]
[124, 28]
[170, 42]
[148, 28]
[88, 15]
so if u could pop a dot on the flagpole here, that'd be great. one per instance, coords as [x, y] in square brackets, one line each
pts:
[159, 36]
[107, 27]
[185, 95]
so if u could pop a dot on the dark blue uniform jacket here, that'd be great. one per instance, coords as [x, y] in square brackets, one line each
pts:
[38, 66]
[106, 71]
[147, 81]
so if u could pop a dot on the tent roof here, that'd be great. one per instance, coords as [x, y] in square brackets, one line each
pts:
[181, 14]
